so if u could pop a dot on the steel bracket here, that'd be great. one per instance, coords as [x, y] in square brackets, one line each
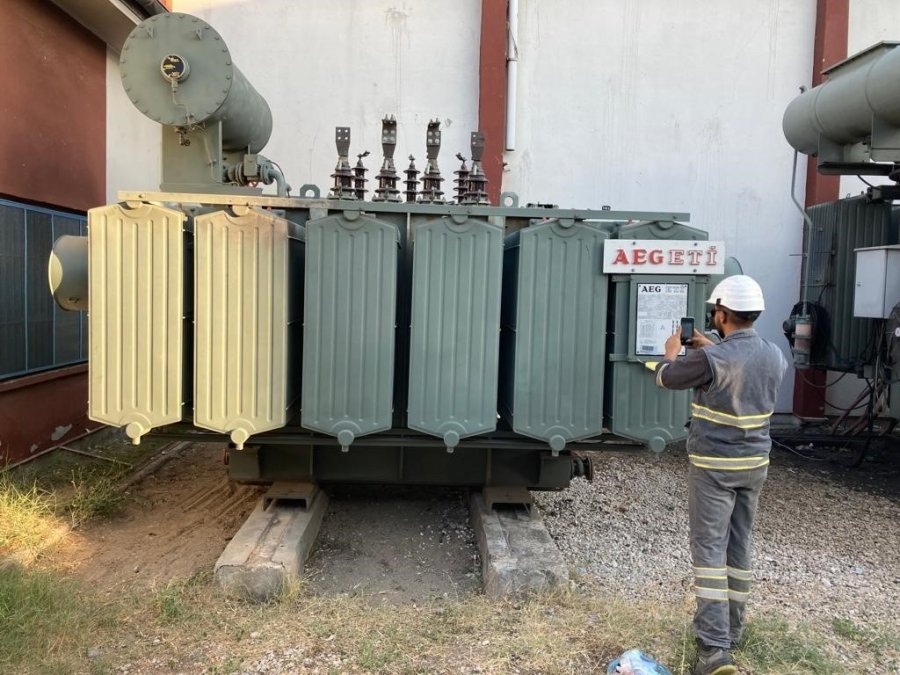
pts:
[508, 497]
[299, 494]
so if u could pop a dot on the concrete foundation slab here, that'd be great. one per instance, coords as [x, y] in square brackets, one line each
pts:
[271, 547]
[517, 553]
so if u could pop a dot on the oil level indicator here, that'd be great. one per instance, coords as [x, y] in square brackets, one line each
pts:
[174, 68]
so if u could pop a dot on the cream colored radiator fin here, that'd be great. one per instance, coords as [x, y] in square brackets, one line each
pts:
[241, 322]
[136, 310]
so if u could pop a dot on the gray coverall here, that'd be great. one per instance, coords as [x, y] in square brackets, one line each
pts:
[735, 384]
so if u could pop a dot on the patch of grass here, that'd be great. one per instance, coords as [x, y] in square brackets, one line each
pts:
[170, 602]
[179, 601]
[771, 645]
[375, 653]
[36, 517]
[561, 633]
[92, 495]
[877, 641]
[28, 523]
[552, 633]
[45, 622]
[229, 667]
[63, 485]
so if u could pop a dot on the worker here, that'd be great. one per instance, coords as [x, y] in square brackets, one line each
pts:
[735, 383]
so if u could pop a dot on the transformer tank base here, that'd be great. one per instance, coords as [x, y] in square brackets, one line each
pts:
[466, 467]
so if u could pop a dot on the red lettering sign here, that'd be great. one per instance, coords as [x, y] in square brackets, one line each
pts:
[648, 256]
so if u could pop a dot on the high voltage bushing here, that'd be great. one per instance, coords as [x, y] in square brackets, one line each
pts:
[387, 178]
[475, 192]
[343, 175]
[350, 183]
[359, 177]
[431, 178]
[462, 179]
[412, 180]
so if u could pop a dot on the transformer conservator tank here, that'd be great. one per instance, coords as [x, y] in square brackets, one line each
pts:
[853, 118]
[178, 71]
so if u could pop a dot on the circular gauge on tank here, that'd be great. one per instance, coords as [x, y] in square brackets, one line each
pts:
[174, 68]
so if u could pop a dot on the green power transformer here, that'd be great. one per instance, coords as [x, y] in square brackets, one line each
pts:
[404, 339]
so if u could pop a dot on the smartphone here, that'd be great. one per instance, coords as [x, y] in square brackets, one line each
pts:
[687, 330]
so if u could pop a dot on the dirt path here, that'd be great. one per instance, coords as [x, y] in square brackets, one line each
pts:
[177, 523]
[395, 545]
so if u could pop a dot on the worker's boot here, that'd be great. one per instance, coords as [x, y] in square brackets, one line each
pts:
[714, 661]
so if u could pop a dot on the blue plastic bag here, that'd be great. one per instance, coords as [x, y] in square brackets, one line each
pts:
[635, 662]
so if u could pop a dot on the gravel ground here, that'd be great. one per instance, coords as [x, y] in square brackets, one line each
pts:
[827, 539]
[395, 545]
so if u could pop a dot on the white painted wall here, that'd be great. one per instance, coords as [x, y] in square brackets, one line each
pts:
[327, 64]
[132, 140]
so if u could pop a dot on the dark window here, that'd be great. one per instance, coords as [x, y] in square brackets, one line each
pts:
[35, 334]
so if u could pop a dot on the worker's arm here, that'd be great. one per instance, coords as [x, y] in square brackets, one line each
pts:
[686, 372]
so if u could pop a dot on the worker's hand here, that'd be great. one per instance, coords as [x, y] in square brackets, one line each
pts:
[700, 340]
[673, 345]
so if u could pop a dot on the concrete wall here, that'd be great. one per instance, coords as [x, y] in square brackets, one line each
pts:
[327, 64]
[872, 21]
[132, 140]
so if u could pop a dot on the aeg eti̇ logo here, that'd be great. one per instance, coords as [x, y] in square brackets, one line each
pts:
[652, 256]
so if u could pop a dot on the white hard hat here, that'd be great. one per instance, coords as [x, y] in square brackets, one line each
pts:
[739, 293]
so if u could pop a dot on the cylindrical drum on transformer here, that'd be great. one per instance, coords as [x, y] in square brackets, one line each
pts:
[842, 108]
[178, 71]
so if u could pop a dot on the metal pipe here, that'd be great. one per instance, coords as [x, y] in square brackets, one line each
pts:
[512, 68]
[809, 225]
[150, 7]
[276, 174]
